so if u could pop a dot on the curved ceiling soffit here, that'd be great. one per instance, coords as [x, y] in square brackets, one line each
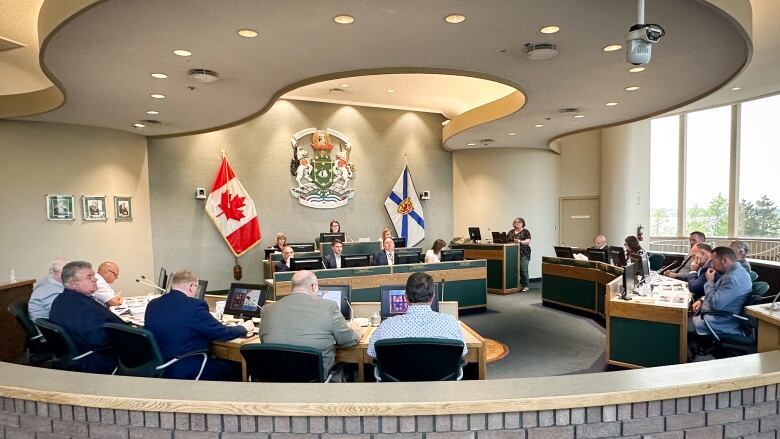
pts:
[486, 113]
[52, 16]
[739, 14]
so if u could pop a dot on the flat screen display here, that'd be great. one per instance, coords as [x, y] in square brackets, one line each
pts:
[393, 300]
[339, 294]
[246, 300]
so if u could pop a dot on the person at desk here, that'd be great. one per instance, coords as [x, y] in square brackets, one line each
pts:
[107, 273]
[386, 256]
[181, 323]
[702, 261]
[599, 242]
[631, 244]
[333, 260]
[386, 233]
[420, 320]
[729, 293]
[741, 249]
[287, 254]
[520, 235]
[335, 226]
[684, 269]
[281, 242]
[434, 254]
[303, 319]
[46, 290]
[83, 318]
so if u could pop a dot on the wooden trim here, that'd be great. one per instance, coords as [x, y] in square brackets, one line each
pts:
[504, 291]
[21, 283]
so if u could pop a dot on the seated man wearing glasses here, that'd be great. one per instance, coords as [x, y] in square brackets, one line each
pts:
[107, 273]
[182, 323]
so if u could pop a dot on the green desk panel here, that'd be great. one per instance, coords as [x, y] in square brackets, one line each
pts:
[276, 257]
[495, 274]
[575, 292]
[512, 257]
[643, 343]
[353, 248]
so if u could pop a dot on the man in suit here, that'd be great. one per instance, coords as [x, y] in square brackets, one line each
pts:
[333, 260]
[303, 319]
[702, 261]
[386, 256]
[599, 242]
[741, 249]
[46, 290]
[684, 269]
[182, 323]
[287, 254]
[83, 318]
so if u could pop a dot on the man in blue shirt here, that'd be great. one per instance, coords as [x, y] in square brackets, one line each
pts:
[46, 290]
[729, 293]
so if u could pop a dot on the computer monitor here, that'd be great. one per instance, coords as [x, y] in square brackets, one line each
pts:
[564, 252]
[399, 242]
[629, 280]
[162, 278]
[352, 261]
[618, 255]
[202, 284]
[245, 300]
[392, 299]
[168, 283]
[341, 294]
[407, 258]
[451, 255]
[306, 264]
[500, 238]
[302, 247]
[474, 234]
[641, 264]
[269, 251]
[599, 254]
[327, 237]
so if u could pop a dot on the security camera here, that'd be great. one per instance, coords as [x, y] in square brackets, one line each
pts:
[640, 40]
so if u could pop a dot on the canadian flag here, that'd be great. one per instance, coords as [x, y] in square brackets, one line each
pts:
[232, 211]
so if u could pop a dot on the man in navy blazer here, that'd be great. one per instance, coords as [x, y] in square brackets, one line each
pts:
[82, 317]
[386, 256]
[182, 323]
[333, 260]
[287, 254]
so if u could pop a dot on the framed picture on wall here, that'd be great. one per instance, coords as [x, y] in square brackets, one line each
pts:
[60, 208]
[93, 207]
[123, 208]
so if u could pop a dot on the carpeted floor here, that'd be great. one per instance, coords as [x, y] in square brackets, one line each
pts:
[542, 341]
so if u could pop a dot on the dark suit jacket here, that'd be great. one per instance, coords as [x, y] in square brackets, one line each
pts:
[83, 319]
[330, 260]
[183, 324]
[281, 266]
[380, 258]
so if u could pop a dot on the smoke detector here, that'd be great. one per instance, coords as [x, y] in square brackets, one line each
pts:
[540, 51]
[486, 142]
[203, 76]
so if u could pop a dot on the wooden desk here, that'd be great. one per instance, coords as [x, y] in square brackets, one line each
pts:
[11, 334]
[503, 265]
[577, 285]
[230, 350]
[768, 326]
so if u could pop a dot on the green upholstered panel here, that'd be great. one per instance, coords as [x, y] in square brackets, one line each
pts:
[512, 266]
[575, 292]
[495, 274]
[643, 343]
[276, 257]
[354, 248]
[468, 293]
[601, 291]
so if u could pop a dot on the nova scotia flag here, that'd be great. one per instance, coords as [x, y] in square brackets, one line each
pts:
[405, 210]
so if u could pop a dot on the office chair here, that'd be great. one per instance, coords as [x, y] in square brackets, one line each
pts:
[656, 261]
[753, 275]
[418, 359]
[35, 346]
[283, 363]
[731, 345]
[138, 354]
[65, 354]
[760, 288]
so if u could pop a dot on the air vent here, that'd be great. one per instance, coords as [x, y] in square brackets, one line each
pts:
[336, 90]
[203, 76]
[569, 110]
[540, 51]
[486, 142]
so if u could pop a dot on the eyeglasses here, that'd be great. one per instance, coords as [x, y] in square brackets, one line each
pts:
[116, 275]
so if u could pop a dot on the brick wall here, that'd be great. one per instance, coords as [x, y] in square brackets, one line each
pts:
[746, 413]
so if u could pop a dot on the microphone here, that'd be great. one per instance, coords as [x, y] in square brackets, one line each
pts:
[663, 269]
[351, 311]
[149, 284]
[773, 306]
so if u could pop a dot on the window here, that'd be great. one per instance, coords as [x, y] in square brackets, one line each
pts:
[664, 175]
[707, 171]
[758, 214]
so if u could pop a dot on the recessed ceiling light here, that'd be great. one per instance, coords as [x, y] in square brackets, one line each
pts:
[471, 144]
[344, 19]
[247, 33]
[159, 75]
[157, 96]
[138, 125]
[182, 52]
[549, 29]
[579, 116]
[636, 69]
[390, 90]
[611, 104]
[736, 88]
[444, 123]
[152, 112]
[612, 48]
[455, 18]
[538, 125]
[343, 85]
[632, 88]
[511, 134]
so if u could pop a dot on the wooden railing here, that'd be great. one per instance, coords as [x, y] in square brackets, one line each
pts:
[764, 249]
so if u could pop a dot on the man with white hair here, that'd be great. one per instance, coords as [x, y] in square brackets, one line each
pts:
[46, 290]
[599, 242]
[741, 249]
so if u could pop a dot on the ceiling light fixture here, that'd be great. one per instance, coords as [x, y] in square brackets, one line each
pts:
[455, 18]
[471, 144]
[538, 125]
[182, 52]
[159, 75]
[611, 104]
[247, 33]
[390, 90]
[152, 112]
[511, 134]
[138, 125]
[157, 96]
[344, 19]
[549, 29]
[612, 48]
[343, 85]
[579, 116]
[444, 123]
[636, 69]
[736, 88]
[632, 88]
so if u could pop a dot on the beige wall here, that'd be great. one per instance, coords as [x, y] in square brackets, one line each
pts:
[492, 186]
[581, 164]
[625, 179]
[260, 153]
[46, 158]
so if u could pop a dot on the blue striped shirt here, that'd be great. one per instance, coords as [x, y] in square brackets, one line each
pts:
[419, 321]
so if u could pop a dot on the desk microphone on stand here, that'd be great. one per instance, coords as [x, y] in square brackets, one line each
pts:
[146, 282]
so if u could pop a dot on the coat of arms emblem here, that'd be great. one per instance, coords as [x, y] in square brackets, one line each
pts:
[322, 177]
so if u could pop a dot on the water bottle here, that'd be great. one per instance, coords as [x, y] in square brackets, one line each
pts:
[12, 278]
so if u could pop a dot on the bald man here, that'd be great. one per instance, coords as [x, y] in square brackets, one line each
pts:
[107, 273]
[599, 242]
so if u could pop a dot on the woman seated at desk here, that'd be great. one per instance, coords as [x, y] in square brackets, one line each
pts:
[386, 233]
[632, 247]
[434, 254]
[281, 242]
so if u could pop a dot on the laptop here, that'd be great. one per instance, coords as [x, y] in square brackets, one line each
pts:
[500, 238]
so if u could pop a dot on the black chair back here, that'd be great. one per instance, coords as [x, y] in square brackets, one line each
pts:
[35, 345]
[62, 346]
[283, 363]
[136, 350]
[418, 359]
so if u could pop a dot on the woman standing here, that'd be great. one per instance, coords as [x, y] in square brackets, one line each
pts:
[520, 235]
[434, 254]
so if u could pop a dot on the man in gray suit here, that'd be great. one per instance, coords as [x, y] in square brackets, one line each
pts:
[303, 319]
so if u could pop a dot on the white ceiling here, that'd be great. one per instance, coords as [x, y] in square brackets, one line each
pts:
[103, 58]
